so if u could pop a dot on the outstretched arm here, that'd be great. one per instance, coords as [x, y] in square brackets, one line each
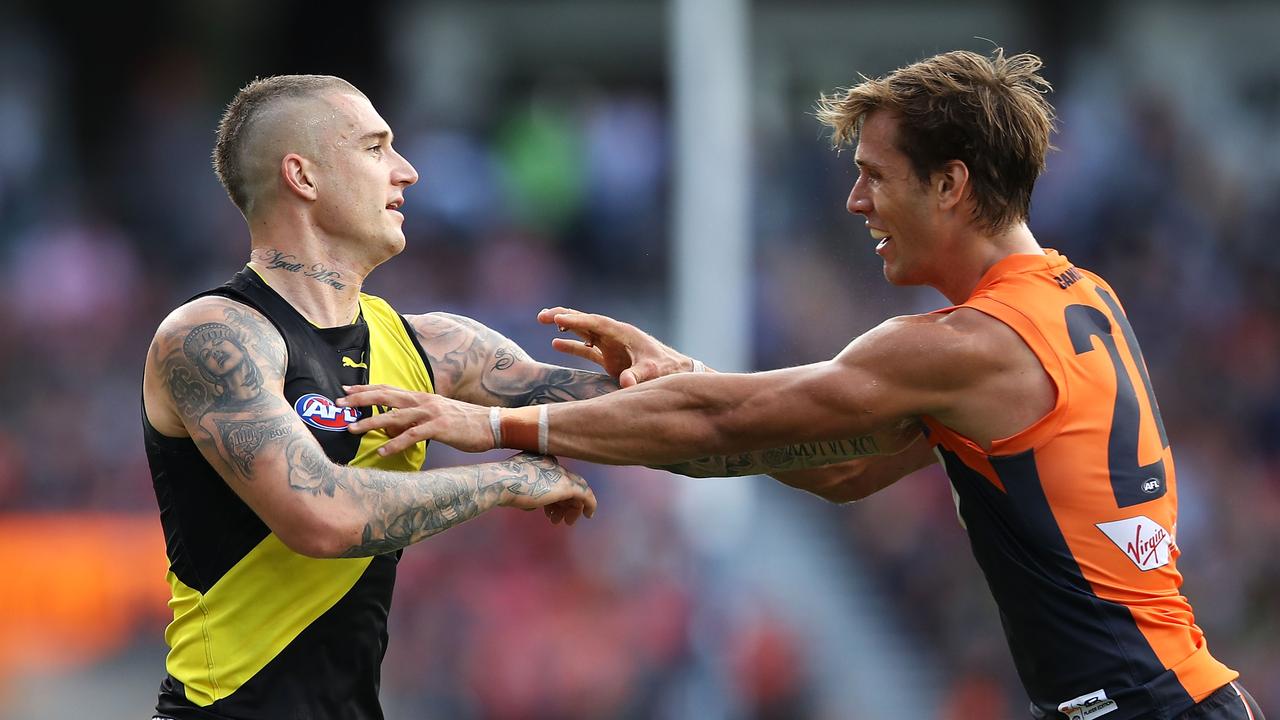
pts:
[799, 458]
[478, 365]
[856, 479]
[896, 372]
[635, 356]
[839, 470]
[215, 373]
[903, 369]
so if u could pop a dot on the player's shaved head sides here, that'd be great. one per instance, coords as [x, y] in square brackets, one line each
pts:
[266, 120]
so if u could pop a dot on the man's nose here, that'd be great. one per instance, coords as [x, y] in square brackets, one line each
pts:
[858, 203]
[406, 175]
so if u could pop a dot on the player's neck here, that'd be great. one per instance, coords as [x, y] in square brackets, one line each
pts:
[324, 289]
[978, 254]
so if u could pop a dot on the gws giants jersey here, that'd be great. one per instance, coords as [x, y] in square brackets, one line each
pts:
[1073, 520]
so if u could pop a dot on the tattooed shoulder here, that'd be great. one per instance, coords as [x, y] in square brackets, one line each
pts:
[481, 365]
[460, 350]
[433, 325]
[461, 320]
[258, 332]
[217, 354]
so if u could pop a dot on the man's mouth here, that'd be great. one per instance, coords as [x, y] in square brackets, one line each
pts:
[395, 204]
[882, 236]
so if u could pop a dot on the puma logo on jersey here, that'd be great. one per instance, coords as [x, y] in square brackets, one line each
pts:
[348, 362]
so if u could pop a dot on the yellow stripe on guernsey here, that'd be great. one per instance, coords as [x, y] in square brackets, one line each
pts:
[220, 639]
[393, 360]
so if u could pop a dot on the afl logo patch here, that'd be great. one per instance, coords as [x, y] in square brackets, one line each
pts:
[319, 411]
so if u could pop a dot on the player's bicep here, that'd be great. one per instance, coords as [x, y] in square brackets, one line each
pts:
[910, 366]
[221, 366]
[477, 364]
[826, 401]
[900, 370]
[529, 382]
[450, 344]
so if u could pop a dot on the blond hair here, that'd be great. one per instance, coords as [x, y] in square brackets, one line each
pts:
[989, 113]
[238, 128]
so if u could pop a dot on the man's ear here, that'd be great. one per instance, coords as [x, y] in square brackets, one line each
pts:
[297, 174]
[950, 184]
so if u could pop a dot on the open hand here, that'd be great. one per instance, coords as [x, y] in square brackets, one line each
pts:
[623, 350]
[411, 417]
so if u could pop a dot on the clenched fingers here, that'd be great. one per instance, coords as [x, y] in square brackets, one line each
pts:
[566, 511]
[588, 504]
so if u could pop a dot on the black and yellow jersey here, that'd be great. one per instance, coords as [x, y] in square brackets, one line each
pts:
[258, 630]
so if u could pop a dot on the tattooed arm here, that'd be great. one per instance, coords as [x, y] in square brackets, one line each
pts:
[215, 373]
[478, 365]
[856, 479]
[839, 472]
[802, 456]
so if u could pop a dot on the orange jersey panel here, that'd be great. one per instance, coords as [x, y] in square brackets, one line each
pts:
[1074, 519]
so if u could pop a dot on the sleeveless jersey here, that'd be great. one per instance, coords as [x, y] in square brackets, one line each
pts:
[258, 630]
[1073, 520]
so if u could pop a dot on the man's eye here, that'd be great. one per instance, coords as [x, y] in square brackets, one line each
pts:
[376, 148]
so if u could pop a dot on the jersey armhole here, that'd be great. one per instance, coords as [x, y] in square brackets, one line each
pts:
[1041, 431]
[413, 338]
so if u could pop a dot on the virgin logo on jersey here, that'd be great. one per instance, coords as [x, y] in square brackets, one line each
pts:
[1142, 539]
[319, 411]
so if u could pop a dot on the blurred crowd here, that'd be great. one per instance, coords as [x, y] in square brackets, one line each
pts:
[561, 197]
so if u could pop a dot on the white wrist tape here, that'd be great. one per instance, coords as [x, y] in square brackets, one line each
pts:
[698, 366]
[495, 425]
[544, 430]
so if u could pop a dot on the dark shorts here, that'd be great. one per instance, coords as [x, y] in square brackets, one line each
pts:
[1229, 702]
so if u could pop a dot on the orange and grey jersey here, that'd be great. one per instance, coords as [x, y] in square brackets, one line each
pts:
[258, 630]
[1074, 519]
